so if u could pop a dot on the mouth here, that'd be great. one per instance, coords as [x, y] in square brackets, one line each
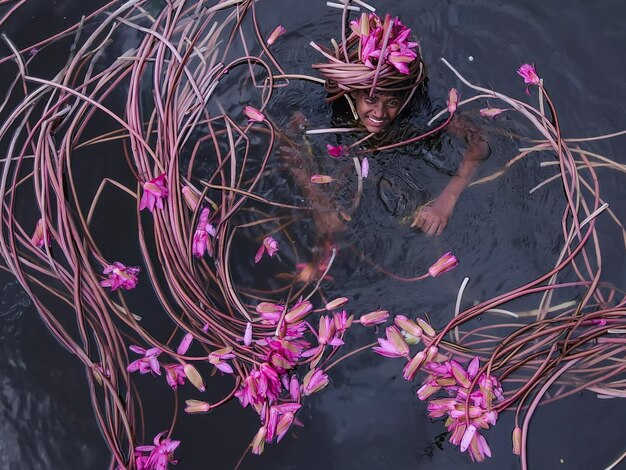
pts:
[375, 122]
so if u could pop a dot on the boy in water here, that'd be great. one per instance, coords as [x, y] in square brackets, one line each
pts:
[380, 72]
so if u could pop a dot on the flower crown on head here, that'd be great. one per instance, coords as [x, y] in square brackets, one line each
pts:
[377, 55]
[371, 31]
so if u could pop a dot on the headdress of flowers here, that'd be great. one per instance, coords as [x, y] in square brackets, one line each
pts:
[377, 54]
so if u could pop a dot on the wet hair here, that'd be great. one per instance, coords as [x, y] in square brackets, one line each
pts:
[345, 72]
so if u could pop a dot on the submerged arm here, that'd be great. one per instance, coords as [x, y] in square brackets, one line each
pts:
[433, 218]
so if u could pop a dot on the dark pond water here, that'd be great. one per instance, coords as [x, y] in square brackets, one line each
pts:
[369, 418]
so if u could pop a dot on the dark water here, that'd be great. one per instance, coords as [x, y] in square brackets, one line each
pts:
[369, 418]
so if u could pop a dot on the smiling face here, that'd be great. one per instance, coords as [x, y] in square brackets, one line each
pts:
[378, 111]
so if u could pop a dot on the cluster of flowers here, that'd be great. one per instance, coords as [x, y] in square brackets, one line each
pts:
[467, 409]
[272, 388]
[371, 30]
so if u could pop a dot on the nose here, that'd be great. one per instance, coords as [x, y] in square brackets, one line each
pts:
[379, 110]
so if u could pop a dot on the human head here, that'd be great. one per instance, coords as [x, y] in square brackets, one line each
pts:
[378, 56]
[379, 110]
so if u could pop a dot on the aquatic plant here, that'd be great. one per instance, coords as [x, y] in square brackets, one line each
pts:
[199, 169]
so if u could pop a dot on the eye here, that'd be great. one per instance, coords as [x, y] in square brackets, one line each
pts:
[393, 103]
[370, 100]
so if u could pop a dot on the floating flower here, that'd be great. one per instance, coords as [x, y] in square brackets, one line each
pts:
[253, 114]
[148, 363]
[160, 455]
[299, 311]
[258, 443]
[399, 53]
[184, 344]
[446, 263]
[274, 35]
[247, 336]
[120, 276]
[491, 112]
[175, 375]
[190, 198]
[269, 245]
[321, 179]
[154, 191]
[194, 377]
[314, 381]
[217, 357]
[453, 100]
[374, 318]
[41, 236]
[201, 242]
[336, 150]
[517, 440]
[393, 346]
[197, 406]
[527, 72]
[336, 303]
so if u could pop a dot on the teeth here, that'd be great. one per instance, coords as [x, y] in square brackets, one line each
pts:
[374, 120]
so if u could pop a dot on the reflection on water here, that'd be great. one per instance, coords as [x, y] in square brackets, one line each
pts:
[369, 417]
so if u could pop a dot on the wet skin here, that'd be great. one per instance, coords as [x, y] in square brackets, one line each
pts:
[378, 111]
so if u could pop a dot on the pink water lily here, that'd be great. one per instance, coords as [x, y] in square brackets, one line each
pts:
[336, 150]
[446, 263]
[314, 381]
[528, 73]
[154, 191]
[201, 242]
[274, 35]
[269, 246]
[41, 236]
[218, 357]
[253, 114]
[190, 198]
[394, 345]
[175, 375]
[160, 455]
[400, 51]
[120, 276]
[148, 363]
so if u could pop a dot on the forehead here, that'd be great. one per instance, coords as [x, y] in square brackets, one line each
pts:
[380, 95]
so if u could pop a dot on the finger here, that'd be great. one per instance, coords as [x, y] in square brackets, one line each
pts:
[432, 228]
[440, 229]
[418, 221]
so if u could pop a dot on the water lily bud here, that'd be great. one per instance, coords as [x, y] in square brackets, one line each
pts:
[374, 318]
[191, 199]
[426, 328]
[517, 440]
[408, 326]
[413, 366]
[298, 313]
[446, 263]
[194, 377]
[491, 112]
[274, 35]
[258, 443]
[196, 406]
[253, 114]
[453, 100]
[337, 303]
[247, 337]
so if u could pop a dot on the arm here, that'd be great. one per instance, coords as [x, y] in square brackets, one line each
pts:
[325, 214]
[433, 218]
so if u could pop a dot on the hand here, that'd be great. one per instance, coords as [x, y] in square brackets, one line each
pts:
[433, 218]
